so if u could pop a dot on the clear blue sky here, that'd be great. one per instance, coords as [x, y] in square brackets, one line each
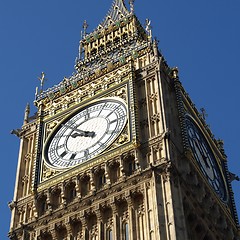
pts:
[202, 38]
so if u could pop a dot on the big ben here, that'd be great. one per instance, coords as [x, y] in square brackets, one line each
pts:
[118, 151]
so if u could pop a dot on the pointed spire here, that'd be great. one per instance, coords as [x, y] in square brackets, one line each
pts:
[117, 11]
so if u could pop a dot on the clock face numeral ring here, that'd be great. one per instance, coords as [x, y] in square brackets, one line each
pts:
[86, 133]
[205, 158]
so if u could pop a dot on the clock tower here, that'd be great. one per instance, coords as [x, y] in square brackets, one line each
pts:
[118, 151]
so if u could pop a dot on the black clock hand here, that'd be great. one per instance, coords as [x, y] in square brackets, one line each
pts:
[205, 158]
[80, 133]
[83, 134]
[201, 151]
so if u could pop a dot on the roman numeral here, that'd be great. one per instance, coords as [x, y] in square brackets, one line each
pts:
[113, 121]
[63, 154]
[73, 156]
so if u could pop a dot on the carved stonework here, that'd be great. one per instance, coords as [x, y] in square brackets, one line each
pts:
[70, 96]
[153, 97]
[155, 118]
[48, 172]
[143, 182]
[167, 172]
[51, 126]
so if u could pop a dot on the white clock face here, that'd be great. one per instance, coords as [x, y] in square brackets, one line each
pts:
[205, 158]
[86, 134]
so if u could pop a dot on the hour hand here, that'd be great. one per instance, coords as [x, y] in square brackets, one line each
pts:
[206, 161]
[81, 133]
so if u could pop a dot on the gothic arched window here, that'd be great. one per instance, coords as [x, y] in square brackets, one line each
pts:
[126, 231]
[109, 234]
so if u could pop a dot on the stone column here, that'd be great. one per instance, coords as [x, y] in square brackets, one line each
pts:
[64, 202]
[130, 216]
[115, 224]
[68, 228]
[106, 169]
[48, 202]
[78, 190]
[92, 183]
[53, 231]
[84, 225]
[122, 170]
[99, 223]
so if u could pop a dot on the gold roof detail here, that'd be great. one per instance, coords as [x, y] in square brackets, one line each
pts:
[117, 12]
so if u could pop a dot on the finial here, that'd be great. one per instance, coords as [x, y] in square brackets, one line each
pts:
[79, 52]
[155, 47]
[26, 114]
[42, 80]
[131, 2]
[149, 28]
[85, 26]
[174, 72]
[203, 113]
[36, 92]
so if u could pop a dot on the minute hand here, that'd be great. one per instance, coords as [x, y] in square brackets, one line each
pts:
[80, 133]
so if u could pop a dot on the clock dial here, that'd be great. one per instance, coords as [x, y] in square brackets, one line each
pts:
[205, 158]
[86, 133]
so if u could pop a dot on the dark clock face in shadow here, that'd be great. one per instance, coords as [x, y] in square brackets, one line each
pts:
[205, 158]
[86, 133]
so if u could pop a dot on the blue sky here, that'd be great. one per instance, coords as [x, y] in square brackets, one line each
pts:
[200, 37]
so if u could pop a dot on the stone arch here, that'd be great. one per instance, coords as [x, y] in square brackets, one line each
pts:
[55, 198]
[114, 171]
[45, 235]
[107, 214]
[129, 164]
[70, 191]
[77, 229]
[41, 204]
[85, 184]
[92, 226]
[60, 231]
[99, 177]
